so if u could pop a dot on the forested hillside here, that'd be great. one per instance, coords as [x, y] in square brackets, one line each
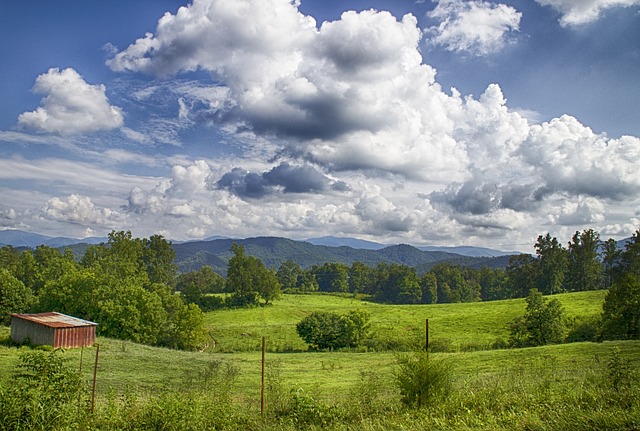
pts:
[273, 251]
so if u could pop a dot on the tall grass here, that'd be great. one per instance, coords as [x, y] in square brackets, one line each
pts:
[539, 389]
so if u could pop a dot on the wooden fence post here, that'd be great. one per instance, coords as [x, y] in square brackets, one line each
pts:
[262, 387]
[426, 335]
[95, 374]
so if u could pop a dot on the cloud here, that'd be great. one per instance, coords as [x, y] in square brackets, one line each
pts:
[70, 106]
[584, 212]
[478, 27]
[580, 12]
[570, 157]
[285, 177]
[79, 209]
[8, 217]
[368, 134]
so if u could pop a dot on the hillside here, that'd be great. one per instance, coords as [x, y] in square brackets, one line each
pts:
[274, 251]
[553, 387]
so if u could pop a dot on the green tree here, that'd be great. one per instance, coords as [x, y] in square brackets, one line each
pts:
[453, 285]
[14, 296]
[611, 260]
[288, 274]
[493, 284]
[329, 330]
[248, 279]
[158, 256]
[551, 264]
[361, 278]
[584, 270]
[521, 275]
[429, 286]
[621, 309]
[423, 380]
[401, 285]
[332, 277]
[307, 282]
[196, 287]
[543, 322]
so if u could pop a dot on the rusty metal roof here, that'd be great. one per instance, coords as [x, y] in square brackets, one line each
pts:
[55, 320]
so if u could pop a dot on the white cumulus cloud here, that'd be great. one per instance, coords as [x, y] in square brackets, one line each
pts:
[78, 209]
[70, 105]
[477, 27]
[580, 12]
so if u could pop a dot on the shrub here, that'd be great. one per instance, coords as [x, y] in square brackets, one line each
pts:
[45, 394]
[328, 330]
[543, 323]
[423, 380]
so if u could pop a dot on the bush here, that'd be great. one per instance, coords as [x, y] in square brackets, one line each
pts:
[45, 394]
[543, 323]
[328, 330]
[423, 380]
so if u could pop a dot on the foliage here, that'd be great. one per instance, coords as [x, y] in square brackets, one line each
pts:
[14, 296]
[551, 265]
[249, 280]
[584, 270]
[521, 276]
[331, 277]
[115, 289]
[196, 287]
[328, 330]
[398, 284]
[621, 309]
[423, 380]
[45, 393]
[543, 323]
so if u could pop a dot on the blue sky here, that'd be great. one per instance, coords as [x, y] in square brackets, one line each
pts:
[431, 123]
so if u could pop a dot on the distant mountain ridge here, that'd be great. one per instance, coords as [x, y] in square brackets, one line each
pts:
[18, 238]
[273, 251]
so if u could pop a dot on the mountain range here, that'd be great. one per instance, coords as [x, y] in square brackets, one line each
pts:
[273, 251]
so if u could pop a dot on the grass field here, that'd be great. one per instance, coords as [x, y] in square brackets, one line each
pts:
[550, 387]
[464, 326]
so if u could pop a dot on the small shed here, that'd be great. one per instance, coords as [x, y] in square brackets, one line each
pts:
[54, 329]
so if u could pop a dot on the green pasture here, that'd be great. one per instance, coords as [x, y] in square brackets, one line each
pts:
[452, 327]
[555, 387]
[125, 365]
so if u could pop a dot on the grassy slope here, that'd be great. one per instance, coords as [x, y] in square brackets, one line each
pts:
[128, 365]
[469, 326]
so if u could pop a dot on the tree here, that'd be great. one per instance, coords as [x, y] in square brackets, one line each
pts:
[429, 286]
[453, 286]
[329, 330]
[14, 296]
[399, 284]
[611, 261]
[288, 274]
[195, 287]
[332, 277]
[584, 270]
[158, 256]
[493, 284]
[543, 322]
[361, 278]
[307, 282]
[248, 279]
[521, 275]
[551, 264]
[621, 309]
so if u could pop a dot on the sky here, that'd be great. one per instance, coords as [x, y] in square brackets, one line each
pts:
[446, 122]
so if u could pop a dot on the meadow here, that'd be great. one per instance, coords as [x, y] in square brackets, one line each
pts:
[582, 385]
